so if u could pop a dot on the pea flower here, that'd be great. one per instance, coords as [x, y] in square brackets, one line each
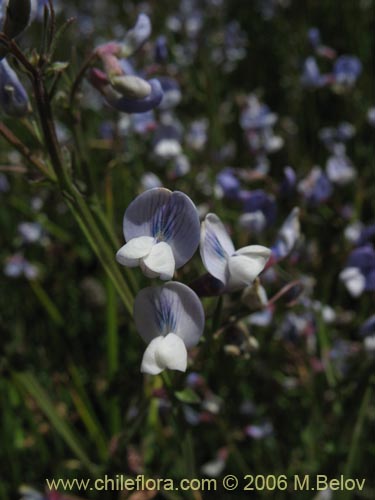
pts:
[170, 318]
[161, 229]
[122, 88]
[236, 269]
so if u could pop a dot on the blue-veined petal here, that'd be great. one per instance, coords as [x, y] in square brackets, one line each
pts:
[159, 262]
[215, 247]
[135, 249]
[171, 308]
[167, 216]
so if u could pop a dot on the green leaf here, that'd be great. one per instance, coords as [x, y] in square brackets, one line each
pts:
[187, 396]
[29, 384]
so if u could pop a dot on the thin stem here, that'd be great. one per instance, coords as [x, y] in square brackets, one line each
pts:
[47, 303]
[25, 152]
[79, 78]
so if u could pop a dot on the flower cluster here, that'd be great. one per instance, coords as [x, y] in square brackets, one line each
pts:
[162, 232]
[345, 71]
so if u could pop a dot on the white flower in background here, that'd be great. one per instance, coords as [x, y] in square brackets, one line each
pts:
[236, 269]
[161, 229]
[354, 280]
[288, 235]
[170, 318]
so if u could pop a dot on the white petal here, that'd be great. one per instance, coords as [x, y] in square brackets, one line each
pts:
[171, 353]
[258, 254]
[149, 364]
[135, 249]
[242, 270]
[159, 261]
[215, 246]
[354, 280]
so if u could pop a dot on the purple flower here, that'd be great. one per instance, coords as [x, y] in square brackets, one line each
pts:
[128, 93]
[196, 136]
[259, 431]
[256, 115]
[30, 232]
[287, 236]
[136, 37]
[4, 183]
[313, 36]
[311, 76]
[340, 170]
[368, 327]
[316, 187]
[13, 97]
[170, 319]
[228, 183]
[171, 92]
[166, 141]
[288, 183]
[161, 49]
[259, 201]
[346, 70]
[367, 233]
[162, 230]
[17, 266]
[359, 273]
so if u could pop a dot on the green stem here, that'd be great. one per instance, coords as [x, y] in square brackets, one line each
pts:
[47, 303]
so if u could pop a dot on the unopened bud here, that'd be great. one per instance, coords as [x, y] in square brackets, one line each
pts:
[131, 86]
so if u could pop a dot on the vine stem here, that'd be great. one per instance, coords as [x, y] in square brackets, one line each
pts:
[25, 152]
[73, 197]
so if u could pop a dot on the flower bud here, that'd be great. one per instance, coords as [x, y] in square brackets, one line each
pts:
[131, 86]
[17, 17]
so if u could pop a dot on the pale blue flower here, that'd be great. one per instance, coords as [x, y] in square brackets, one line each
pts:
[136, 37]
[236, 269]
[13, 96]
[161, 229]
[170, 318]
[287, 236]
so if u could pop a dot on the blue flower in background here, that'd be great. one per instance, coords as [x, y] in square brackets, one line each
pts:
[162, 232]
[259, 201]
[228, 184]
[287, 236]
[13, 97]
[346, 70]
[311, 75]
[359, 273]
[316, 187]
[170, 319]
